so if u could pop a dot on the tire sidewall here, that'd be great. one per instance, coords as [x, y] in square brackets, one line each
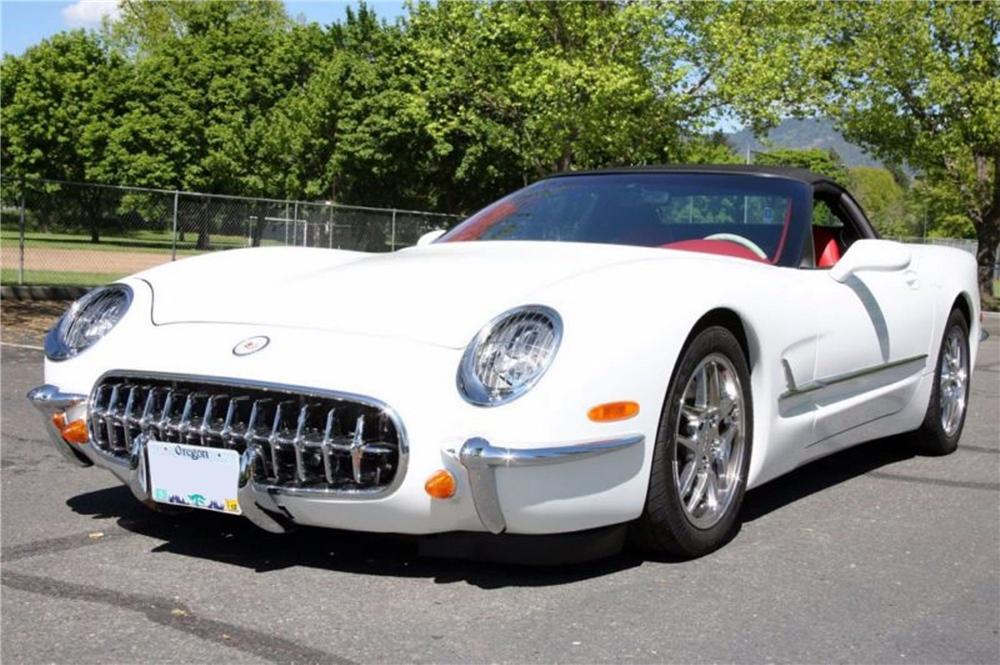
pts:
[935, 440]
[692, 539]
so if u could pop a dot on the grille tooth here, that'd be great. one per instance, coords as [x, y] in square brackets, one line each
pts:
[329, 443]
[325, 446]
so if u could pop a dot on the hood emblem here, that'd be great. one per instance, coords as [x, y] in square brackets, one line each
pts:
[251, 345]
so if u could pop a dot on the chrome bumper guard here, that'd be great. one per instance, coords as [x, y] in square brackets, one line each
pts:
[481, 459]
[49, 400]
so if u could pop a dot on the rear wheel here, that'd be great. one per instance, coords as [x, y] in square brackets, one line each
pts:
[702, 452]
[945, 418]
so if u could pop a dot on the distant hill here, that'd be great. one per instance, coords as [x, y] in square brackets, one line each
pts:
[803, 134]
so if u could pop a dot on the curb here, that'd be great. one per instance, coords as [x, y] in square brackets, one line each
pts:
[42, 292]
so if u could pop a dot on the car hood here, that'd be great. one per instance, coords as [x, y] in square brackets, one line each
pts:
[439, 294]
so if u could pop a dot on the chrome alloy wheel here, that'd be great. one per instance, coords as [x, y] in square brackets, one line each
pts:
[954, 381]
[710, 441]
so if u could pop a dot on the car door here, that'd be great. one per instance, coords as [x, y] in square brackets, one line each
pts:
[872, 332]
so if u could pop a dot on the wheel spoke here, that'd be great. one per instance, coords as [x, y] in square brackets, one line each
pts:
[711, 491]
[701, 388]
[693, 414]
[698, 492]
[690, 443]
[687, 478]
[714, 385]
[726, 447]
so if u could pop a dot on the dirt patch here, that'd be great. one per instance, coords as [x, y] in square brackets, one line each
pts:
[27, 321]
[81, 260]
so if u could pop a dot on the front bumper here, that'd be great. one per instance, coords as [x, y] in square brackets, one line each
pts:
[273, 508]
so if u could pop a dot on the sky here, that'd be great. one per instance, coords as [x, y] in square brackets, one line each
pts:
[27, 22]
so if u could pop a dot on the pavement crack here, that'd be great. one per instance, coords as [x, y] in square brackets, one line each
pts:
[979, 449]
[59, 544]
[173, 614]
[967, 484]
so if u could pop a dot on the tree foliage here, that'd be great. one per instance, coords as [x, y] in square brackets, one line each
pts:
[459, 102]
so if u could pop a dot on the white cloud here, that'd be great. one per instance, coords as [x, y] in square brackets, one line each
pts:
[88, 13]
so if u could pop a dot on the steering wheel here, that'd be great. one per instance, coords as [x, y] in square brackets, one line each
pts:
[739, 240]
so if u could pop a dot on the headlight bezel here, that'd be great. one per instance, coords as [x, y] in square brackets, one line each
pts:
[470, 385]
[58, 346]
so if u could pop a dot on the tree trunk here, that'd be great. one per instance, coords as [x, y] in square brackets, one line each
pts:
[92, 206]
[202, 239]
[258, 225]
[988, 225]
[988, 236]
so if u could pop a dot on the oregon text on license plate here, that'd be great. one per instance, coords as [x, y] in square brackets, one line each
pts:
[194, 476]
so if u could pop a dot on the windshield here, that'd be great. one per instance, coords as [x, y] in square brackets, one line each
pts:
[740, 215]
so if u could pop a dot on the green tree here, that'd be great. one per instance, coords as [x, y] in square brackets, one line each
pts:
[203, 74]
[883, 200]
[56, 107]
[931, 98]
[817, 160]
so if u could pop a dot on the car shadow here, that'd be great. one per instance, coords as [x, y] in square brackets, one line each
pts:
[826, 472]
[205, 535]
[221, 538]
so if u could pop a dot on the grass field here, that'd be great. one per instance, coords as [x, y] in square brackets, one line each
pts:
[57, 278]
[140, 241]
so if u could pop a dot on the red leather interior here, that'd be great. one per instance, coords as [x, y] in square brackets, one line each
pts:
[723, 247]
[826, 246]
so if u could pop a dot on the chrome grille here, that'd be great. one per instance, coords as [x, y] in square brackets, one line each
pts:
[306, 440]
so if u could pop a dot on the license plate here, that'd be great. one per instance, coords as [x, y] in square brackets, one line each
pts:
[194, 476]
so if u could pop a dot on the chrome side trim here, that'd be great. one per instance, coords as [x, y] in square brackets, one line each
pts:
[818, 384]
[49, 400]
[120, 467]
[480, 460]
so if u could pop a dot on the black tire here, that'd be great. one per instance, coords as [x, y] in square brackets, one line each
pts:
[664, 527]
[931, 438]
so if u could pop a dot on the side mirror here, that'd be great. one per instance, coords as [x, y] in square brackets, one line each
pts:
[430, 237]
[884, 255]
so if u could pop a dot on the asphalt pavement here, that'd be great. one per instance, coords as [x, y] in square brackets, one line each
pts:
[871, 555]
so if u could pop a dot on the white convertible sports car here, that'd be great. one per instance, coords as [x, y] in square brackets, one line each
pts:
[627, 348]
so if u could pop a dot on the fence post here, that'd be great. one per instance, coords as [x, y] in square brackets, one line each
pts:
[20, 269]
[295, 223]
[173, 235]
[392, 234]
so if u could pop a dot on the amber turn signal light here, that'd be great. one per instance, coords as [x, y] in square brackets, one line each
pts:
[440, 485]
[604, 413]
[74, 432]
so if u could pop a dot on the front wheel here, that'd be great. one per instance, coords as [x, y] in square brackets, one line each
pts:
[702, 453]
[945, 418]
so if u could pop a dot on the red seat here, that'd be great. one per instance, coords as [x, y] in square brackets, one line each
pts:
[826, 245]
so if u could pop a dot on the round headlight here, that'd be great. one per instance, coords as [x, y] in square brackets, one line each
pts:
[88, 319]
[509, 355]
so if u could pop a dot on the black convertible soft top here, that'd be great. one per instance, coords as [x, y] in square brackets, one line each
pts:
[802, 175]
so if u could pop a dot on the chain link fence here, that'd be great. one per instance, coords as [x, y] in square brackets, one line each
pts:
[65, 233]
